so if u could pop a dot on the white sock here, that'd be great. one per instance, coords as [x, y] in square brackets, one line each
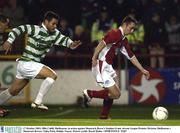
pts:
[45, 86]
[5, 96]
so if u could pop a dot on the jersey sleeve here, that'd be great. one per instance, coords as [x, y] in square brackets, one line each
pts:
[112, 37]
[126, 49]
[22, 29]
[62, 40]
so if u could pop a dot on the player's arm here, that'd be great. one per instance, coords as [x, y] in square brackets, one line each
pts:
[98, 49]
[135, 61]
[23, 29]
[109, 39]
[75, 44]
[62, 40]
[126, 50]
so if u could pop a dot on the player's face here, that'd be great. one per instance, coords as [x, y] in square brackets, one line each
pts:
[51, 25]
[3, 27]
[130, 27]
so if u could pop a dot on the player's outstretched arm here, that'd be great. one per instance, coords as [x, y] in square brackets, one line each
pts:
[7, 47]
[75, 44]
[135, 61]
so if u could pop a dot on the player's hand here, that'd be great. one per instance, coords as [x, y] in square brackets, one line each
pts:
[146, 73]
[7, 47]
[94, 62]
[75, 44]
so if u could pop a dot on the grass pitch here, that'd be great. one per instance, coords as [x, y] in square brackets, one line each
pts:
[76, 116]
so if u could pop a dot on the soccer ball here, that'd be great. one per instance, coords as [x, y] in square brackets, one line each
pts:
[160, 113]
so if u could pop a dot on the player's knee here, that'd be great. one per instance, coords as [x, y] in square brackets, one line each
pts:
[117, 95]
[14, 92]
[54, 76]
[114, 95]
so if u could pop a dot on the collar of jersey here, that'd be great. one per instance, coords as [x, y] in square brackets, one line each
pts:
[47, 31]
[120, 28]
[44, 27]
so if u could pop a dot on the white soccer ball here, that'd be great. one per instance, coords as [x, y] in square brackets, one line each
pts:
[160, 113]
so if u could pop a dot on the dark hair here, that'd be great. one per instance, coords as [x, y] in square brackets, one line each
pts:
[3, 19]
[129, 19]
[49, 15]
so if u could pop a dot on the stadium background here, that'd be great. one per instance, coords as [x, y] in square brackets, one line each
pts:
[73, 67]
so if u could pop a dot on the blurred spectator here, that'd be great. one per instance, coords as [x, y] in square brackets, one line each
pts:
[2, 3]
[14, 12]
[67, 31]
[177, 8]
[173, 30]
[102, 25]
[121, 7]
[155, 36]
[4, 21]
[33, 16]
[137, 37]
[85, 48]
[83, 35]
[173, 7]
[88, 13]
[153, 7]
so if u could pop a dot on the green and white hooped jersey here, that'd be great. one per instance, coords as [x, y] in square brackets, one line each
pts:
[39, 41]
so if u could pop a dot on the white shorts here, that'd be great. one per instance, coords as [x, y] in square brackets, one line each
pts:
[104, 74]
[28, 69]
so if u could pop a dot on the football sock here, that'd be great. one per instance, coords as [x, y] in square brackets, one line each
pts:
[45, 86]
[103, 94]
[107, 104]
[5, 96]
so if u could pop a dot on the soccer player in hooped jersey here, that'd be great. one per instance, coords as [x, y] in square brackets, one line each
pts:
[40, 40]
[102, 61]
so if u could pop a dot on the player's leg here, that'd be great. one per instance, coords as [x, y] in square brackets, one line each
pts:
[110, 91]
[107, 104]
[103, 94]
[2, 111]
[108, 94]
[113, 93]
[107, 79]
[49, 77]
[14, 90]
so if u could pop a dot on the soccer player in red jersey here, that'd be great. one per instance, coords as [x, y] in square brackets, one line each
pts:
[102, 61]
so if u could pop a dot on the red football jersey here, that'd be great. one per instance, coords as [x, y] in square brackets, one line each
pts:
[115, 39]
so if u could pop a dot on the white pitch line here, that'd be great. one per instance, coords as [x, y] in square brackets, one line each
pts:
[57, 114]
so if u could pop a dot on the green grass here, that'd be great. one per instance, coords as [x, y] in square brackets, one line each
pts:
[76, 116]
